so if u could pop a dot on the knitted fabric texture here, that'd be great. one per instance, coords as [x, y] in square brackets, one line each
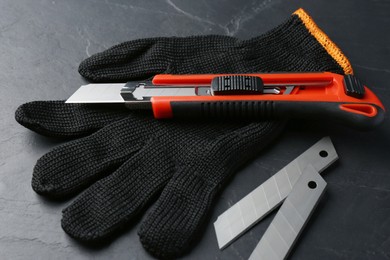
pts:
[124, 160]
[128, 162]
[288, 47]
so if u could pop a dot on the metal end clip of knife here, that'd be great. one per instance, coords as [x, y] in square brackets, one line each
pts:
[299, 185]
[320, 95]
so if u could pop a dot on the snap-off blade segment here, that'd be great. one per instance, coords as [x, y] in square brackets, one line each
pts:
[283, 232]
[257, 204]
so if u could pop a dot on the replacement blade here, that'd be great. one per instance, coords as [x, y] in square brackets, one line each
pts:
[257, 204]
[291, 218]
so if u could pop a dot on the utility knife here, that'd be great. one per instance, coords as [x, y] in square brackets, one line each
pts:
[317, 95]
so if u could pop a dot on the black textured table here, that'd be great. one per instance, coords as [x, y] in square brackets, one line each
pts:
[41, 45]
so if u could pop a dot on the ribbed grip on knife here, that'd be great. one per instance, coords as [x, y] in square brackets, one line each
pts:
[225, 109]
[361, 116]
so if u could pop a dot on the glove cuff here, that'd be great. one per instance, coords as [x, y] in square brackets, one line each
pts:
[330, 47]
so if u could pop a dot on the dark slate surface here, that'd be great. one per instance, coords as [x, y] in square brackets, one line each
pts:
[41, 44]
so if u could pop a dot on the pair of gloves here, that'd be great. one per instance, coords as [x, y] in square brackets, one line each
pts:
[121, 161]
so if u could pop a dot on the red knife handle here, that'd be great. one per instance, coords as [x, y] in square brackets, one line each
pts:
[358, 115]
[321, 95]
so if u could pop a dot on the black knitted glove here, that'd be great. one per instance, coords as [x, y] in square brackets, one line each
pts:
[124, 159]
[296, 45]
[130, 161]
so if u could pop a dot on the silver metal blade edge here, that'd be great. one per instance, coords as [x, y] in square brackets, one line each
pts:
[285, 228]
[257, 204]
[98, 93]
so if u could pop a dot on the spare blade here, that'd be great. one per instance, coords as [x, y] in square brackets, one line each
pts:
[98, 93]
[291, 218]
[257, 204]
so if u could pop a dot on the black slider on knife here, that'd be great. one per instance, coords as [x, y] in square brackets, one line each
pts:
[236, 85]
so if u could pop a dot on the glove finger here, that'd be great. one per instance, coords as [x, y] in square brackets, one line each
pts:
[114, 200]
[58, 119]
[144, 58]
[128, 60]
[70, 167]
[182, 208]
